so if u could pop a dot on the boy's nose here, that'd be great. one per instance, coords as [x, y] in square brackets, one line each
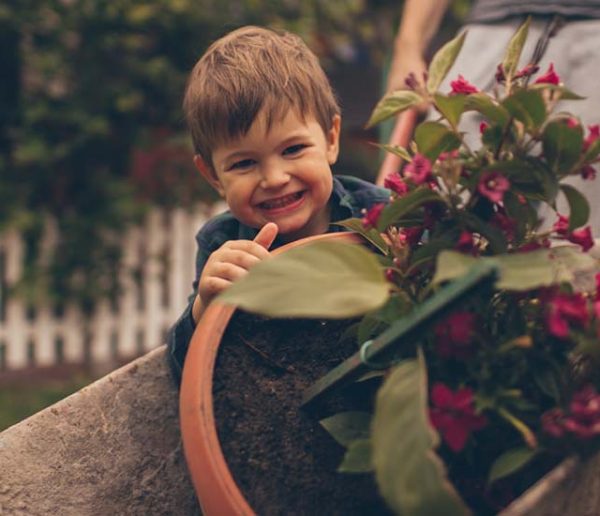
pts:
[274, 176]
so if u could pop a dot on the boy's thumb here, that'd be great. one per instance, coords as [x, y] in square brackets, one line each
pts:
[267, 234]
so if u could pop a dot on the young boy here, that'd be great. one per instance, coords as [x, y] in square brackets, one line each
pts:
[265, 126]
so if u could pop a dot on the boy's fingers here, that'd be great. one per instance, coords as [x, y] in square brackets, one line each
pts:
[267, 235]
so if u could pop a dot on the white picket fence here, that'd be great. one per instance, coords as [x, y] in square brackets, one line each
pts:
[144, 312]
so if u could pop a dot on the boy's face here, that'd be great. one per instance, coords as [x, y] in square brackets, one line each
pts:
[279, 175]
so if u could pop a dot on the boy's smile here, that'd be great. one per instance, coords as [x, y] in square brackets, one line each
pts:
[278, 174]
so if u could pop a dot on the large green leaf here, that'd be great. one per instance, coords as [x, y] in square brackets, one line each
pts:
[561, 91]
[562, 145]
[396, 210]
[527, 106]
[520, 271]
[488, 107]
[514, 49]
[450, 106]
[347, 427]
[579, 207]
[371, 234]
[410, 476]
[510, 462]
[433, 138]
[324, 279]
[442, 62]
[392, 104]
[396, 150]
[358, 458]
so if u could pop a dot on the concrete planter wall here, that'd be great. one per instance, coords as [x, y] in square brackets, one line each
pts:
[113, 448]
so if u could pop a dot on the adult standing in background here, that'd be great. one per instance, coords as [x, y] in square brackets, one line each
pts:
[574, 50]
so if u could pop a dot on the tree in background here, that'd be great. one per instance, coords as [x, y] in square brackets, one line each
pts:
[90, 120]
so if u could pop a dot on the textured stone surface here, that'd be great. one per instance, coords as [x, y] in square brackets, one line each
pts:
[112, 448]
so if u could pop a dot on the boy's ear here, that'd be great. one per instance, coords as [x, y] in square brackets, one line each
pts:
[207, 172]
[333, 139]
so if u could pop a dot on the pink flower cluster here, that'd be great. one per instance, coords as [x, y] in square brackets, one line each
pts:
[453, 414]
[454, 335]
[582, 419]
[566, 311]
[582, 237]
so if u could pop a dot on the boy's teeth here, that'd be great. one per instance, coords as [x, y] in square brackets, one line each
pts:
[281, 201]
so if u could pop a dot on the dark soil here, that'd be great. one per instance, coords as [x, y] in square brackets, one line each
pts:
[283, 460]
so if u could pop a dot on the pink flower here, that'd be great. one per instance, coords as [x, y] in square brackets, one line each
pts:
[572, 123]
[553, 422]
[550, 77]
[454, 335]
[483, 126]
[597, 278]
[371, 216]
[418, 170]
[526, 71]
[507, 225]
[453, 414]
[465, 243]
[448, 155]
[500, 75]
[492, 185]
[588, 172]
[582, 237]
[582, 420]
[462, 86]
[564, 311]
[412, 235]
[561, 226]
[534, 246]
[396, 184]
[593, 135]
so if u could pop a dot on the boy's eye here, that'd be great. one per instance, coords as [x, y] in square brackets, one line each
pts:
[294, 149]
[242, 164]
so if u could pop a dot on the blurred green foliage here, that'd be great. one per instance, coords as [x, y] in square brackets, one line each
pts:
[18, 401]
[90, 117]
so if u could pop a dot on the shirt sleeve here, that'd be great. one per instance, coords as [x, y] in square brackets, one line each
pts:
[180, 334]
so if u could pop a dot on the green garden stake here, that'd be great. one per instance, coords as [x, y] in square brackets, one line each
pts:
[375, 352]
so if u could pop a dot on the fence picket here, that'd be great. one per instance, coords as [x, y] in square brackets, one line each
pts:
[160, 254]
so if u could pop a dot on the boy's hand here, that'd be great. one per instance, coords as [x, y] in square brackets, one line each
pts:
[230, 262]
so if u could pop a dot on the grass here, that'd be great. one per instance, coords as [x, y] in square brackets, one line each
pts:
[18, 401]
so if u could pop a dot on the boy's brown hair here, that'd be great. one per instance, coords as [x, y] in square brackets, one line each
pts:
[245, 71]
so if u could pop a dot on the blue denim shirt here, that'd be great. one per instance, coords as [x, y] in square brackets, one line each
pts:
[349, 197]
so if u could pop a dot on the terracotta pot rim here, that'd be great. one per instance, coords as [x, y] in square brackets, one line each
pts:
[213, 482]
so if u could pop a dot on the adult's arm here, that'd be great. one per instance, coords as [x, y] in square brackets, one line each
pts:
[420, 21]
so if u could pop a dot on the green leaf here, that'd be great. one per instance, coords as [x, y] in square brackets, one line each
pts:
[442, 62]
[562, 145]
[410, 476]
[510, 462]
[593, 151]
[514, 49]
[433, 138]
[397, 209]
[347, 427]
[450, 106]
[520, 271]
[488, 107]
[392, 104]
[397, 150]
[358, 458]
[527, 106]
[371, 234]
[579, 208]
[323, 279]
[493, 235]
[563, 93]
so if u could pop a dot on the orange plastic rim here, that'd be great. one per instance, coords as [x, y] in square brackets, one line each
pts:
[213, 482]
